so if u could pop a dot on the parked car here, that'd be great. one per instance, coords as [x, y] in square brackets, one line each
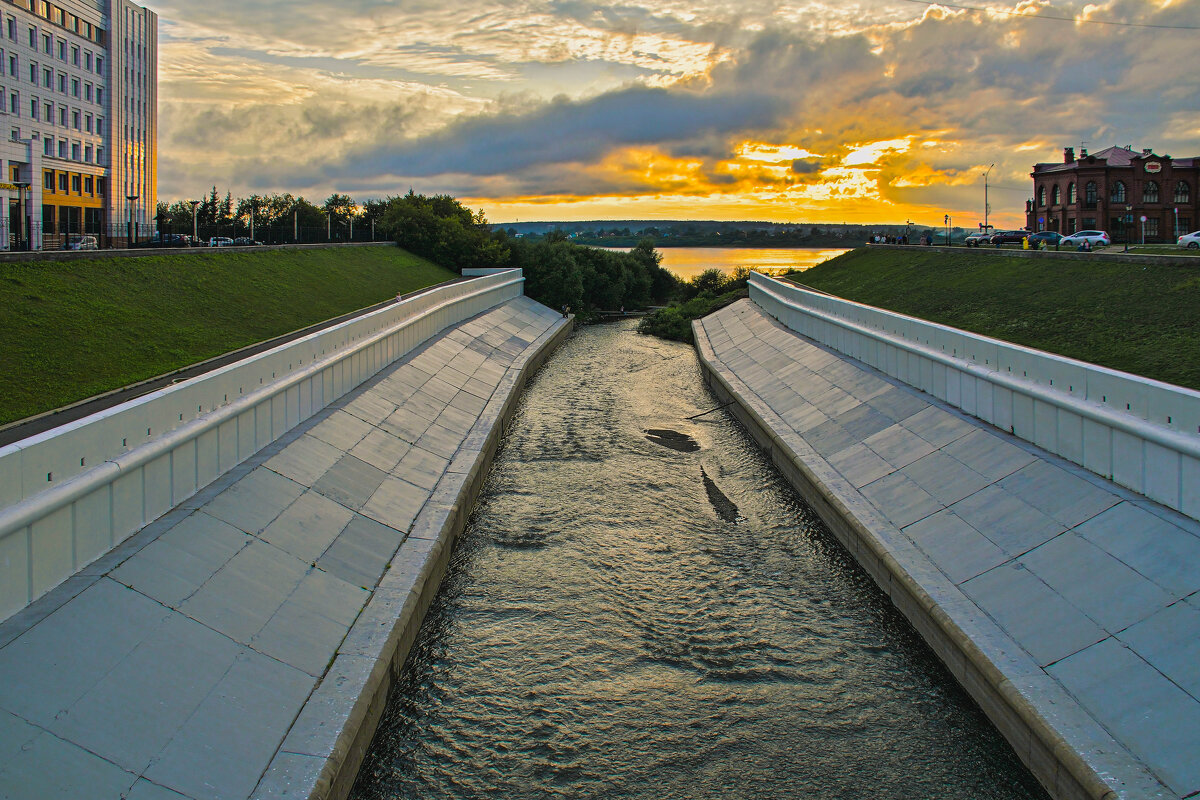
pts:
[1048, 238]
[1093, 238]
[1190, 240]
[978, 239]
[82, 243]
[246, 241]
[160, 239]
[1009, 237]
[220, 241]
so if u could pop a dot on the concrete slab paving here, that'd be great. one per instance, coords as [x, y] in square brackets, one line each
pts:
[180, 667]
[1081, 594]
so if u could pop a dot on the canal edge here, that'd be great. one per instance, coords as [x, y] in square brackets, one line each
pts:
[1041, 738]
[346, 707]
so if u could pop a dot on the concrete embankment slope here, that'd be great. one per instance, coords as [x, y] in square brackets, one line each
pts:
[243, 644]
[1065, 604]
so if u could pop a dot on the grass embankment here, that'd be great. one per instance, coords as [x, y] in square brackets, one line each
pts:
[1135, 318]
[74, 329]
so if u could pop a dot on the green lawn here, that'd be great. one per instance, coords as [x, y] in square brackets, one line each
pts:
[74, 329]
[1135, 318]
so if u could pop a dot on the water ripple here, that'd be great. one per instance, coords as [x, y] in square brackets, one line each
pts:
[605, 631]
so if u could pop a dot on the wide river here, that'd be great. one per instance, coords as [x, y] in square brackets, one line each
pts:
[641, 607]
[688, 262]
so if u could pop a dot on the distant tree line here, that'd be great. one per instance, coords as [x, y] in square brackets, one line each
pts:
[285, 213]
[558, 272]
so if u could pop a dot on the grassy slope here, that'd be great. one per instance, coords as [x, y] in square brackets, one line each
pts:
[73, 329]
[1139, 319]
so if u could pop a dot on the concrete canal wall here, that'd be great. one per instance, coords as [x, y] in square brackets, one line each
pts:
[69, 495]
[243, 642]
[1140, 433]
[1062, 602]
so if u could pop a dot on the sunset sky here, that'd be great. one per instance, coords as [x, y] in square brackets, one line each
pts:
[871, 111]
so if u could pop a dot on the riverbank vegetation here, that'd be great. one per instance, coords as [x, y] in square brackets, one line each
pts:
[1131, 317]
[558, 272]
[707, 292]
[74, 329]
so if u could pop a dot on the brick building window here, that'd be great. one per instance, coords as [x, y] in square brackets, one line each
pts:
[1150, 228]
[1055, 195]
[1183, 192]
[1071, 198]
[1150, 193]
[1089, 195]
[1042, 197]
[1118, 192]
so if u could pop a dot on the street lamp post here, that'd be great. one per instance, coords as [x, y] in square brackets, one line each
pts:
[132, 198]
[22, 236]
[1125, 226]
[195, 204]
[253, 208]
[986, 207]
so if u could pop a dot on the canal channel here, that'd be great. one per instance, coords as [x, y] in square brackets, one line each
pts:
[641, 607]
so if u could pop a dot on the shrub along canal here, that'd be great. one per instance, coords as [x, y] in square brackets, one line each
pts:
[642, 607]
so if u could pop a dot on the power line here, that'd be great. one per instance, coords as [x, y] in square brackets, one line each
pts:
[1048, 17]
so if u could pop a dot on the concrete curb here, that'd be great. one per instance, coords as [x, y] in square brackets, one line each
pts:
[322, 752]
[1063, 746]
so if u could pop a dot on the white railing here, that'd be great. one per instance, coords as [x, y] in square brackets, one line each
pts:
[69, 495]
[1140, 433]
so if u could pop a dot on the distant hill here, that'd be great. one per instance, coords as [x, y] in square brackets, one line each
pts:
[712, 233]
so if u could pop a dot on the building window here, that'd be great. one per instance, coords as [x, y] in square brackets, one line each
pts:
[62, 83]
[33, 72]
[75, 56]
[1089, 196]
[48, 148]
[1118, 192]
[1150, 192]
[48, 181]
[87, 153]
[1150, 228]
[87, 60]
[62, 50]
[87, 185]
[12, 29]
[62, 116]
[1089, 223]
[76, 184]
[33, 38]
[75, 87]
[48, 78]
[1071, 198]
[75, 120]
[100, 156]
[87, 122]
[1183, 193]
[1055, 195]
[46, 43]
[35, 106]
[14, 103]
[62, 181]
[1183, 225]
[75, 151]
[62, 153]
[50, 112]
[1071, 224]
[1042, 197]
[99, 65]
[87, 92]
[12, 66]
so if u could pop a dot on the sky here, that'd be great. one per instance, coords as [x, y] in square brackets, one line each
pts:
[807, 111]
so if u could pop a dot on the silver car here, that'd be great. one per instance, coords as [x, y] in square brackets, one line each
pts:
[1189, 240]
[1093, 238]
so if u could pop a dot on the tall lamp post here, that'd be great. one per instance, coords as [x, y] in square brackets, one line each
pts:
[132, 198]
[1125, 225]
[986, 207]
[195, 204]
[22, 236]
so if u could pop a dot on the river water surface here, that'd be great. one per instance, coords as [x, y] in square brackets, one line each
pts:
[641, 607]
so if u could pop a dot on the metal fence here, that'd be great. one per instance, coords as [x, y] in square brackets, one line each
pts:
[79, 235]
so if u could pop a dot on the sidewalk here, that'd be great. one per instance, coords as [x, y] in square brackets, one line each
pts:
[179, 665]
[1066, 605]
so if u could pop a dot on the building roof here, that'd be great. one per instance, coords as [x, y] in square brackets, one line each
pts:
[1114, 157]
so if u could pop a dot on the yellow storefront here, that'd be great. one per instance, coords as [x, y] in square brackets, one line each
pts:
[72, 204]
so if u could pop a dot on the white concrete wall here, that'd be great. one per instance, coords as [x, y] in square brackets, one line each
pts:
[1140, 433]
[69, 495]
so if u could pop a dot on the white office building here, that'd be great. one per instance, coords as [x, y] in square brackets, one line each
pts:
[78, 121]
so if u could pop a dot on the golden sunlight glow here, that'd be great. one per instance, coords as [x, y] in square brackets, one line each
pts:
[772, 153]
[861, 154]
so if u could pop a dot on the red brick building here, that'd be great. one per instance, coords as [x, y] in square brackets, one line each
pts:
[1112, 190]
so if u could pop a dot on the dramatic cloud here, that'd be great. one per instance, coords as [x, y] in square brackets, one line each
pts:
[879, 110]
